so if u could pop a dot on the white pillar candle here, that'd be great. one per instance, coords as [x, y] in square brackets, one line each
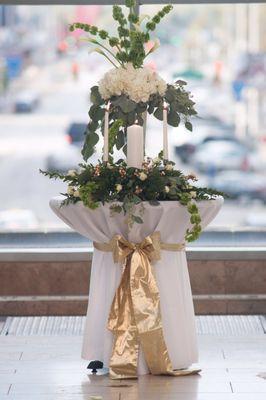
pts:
[106, 134]
[135, 146]
[165, 133]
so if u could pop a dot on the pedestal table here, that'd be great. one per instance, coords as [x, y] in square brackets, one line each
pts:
[171, 219]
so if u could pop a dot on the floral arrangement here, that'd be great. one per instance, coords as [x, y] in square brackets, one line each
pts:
[125, 188]
[129, 89]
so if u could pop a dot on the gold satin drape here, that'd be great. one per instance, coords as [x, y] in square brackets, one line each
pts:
[135, 315]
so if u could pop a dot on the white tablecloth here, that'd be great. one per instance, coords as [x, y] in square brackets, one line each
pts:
[172, 220]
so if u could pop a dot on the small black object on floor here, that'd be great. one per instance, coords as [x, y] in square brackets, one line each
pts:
[94, 365]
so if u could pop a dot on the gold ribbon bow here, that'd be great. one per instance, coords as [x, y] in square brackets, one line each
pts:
[135, 315]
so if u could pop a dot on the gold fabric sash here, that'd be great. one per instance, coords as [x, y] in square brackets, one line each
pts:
[135, 315]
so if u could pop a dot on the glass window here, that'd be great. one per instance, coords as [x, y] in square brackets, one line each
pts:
[46, 73]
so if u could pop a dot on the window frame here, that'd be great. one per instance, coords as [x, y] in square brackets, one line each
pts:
[121, 2]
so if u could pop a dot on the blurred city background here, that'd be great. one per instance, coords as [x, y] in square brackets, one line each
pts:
[46, 74]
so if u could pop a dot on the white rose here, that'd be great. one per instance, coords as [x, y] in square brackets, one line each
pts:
[76, 193]
[169, 167]
[72, 172]
[193, 194]
[143, 176]
[118, 187]
[166, 189]
[70, 190]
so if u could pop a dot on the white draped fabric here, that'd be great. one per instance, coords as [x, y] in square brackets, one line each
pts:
[172, 220]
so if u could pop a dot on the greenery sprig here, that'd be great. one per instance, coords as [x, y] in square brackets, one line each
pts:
[126, 188]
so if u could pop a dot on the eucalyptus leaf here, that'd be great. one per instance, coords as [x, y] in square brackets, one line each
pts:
[122, 116]
[170, 94]
[127, 105]
[150, 108]
[156, 101]
[137, 219]
[181, 108]
[120, 140]
[173, 118]
[92, 126]
[141, 107]
[96, 113]
[95, 96]
[131, 118]
[87, 152]
[100, 114]
[140, 119]
[189, 126]
[93, 110]
[174, 106]
[158, 113]
[88, 148]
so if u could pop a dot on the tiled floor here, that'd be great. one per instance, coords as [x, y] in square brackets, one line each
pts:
[49, 368]
[240, 325]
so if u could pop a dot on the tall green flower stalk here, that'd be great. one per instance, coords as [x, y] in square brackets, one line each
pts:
[129, 45]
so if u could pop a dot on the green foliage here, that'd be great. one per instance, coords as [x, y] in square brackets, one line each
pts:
[130, 3]
[86, 193]
[116, 136]
[151, 25]
[126, 190]
[179, 105]
[189, 126]
[91, 140]
[137, 52]
[95, 96]
[113, 41]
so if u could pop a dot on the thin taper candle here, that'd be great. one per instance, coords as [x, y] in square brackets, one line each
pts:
[165, 132]
[106, 134]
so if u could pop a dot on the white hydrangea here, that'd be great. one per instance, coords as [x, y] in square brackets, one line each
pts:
[137, 84]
